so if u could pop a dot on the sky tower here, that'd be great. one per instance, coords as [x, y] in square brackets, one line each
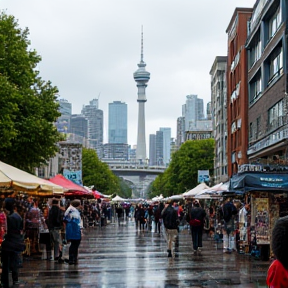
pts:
[141, 76]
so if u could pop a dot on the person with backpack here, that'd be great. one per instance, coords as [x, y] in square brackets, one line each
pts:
[171, 222]
[197, 216]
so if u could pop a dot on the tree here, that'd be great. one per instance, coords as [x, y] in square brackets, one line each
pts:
[182, 173]
[97, 174]
[28, 107]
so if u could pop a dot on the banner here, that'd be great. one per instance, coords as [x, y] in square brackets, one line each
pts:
[75, 176]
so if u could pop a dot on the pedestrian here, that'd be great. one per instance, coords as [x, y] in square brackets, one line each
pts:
[119, 212]
[171, 222]
[196, 222]
[55, 224]
[229, 211]
[13, 243]
[72, 220]
[277, 275]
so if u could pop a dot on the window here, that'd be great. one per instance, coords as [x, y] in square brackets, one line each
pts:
[274, 23]
[257, 132]
[275, 65]
[255, 88]
[275, 116]
[255, 52]
[251, 131]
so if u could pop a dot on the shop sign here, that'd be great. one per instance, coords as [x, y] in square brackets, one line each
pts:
[74, 176]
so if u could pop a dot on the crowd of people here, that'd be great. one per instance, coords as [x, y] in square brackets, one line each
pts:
[29, 223]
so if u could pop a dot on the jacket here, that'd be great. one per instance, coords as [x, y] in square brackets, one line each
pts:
[170, 217]
[277, 276]
[198, 213]
[72, 219]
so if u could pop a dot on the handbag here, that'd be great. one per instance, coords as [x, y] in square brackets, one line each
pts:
[195, 222]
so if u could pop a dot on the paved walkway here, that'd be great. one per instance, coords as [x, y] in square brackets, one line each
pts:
[120, 256]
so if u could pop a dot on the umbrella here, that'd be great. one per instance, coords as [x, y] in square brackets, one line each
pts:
[195, 191]
[12, 178]
[71, 188]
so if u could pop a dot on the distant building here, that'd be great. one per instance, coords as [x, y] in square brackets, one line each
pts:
[180, 138]
[117, 122]
[192, 111]
[159, 148]
[115, 151]
[79, 125]
[152, 149]
[63, 122]
[219, 117]
[166, 145]
[95, 132]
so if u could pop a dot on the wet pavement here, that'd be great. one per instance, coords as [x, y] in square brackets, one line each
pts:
[120, 256]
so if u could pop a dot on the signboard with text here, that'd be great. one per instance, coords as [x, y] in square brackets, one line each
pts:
[75, 176]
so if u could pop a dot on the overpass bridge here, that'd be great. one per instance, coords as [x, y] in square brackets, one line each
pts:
[138, 177]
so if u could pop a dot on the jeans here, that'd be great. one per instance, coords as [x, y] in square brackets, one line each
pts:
[171, 238]
[196, 232]
[73, 250]
[10, 261]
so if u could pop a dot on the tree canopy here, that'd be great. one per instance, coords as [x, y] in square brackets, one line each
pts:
[182, 173]
[96, 173]
[28, 106]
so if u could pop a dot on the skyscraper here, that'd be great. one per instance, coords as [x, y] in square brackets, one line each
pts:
[193, 111]
[141, 76]
[117, 122]
[166, 145]
[152, 149]
[63, 122]
[95, 131]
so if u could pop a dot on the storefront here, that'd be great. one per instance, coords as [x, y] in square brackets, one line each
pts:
[265, 193]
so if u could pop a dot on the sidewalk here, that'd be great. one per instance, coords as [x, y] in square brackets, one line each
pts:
[120, 256]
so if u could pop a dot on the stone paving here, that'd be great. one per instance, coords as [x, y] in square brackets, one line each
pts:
[119, 256]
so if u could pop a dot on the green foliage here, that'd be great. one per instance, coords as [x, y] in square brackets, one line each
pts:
[28, 107]
[182, 173]
[97, 173]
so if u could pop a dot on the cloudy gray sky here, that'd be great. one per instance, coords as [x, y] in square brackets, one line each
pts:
[92, 47]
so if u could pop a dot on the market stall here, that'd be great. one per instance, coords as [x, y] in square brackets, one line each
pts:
[265, 193]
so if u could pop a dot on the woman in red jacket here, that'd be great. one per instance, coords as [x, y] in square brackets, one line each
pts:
[277, 276]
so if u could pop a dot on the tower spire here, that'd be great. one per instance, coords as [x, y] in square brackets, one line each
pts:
[142, 43]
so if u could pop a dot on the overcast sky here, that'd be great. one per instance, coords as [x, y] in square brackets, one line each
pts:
[91, 48]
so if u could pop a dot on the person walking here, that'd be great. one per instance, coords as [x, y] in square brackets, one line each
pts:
[171, 222]
[72, 220]
[12, 245]
[55, 224]
[196, 222]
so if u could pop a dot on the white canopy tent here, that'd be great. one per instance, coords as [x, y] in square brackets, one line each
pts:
[118, 199]
[193, 192]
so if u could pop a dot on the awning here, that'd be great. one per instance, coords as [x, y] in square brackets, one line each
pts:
[12, 178]
[71, 188]
[255, 181]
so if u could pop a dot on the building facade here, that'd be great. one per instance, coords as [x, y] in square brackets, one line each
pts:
[117, 122]
[115, 151]
[267, 49]
[219, 117]
[237, 92]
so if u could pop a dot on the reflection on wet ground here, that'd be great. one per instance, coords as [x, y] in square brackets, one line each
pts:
[120, 256]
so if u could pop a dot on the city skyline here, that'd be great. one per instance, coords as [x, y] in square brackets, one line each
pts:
[95, 56]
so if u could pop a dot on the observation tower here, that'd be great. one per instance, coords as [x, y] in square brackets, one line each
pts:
[141, 76]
